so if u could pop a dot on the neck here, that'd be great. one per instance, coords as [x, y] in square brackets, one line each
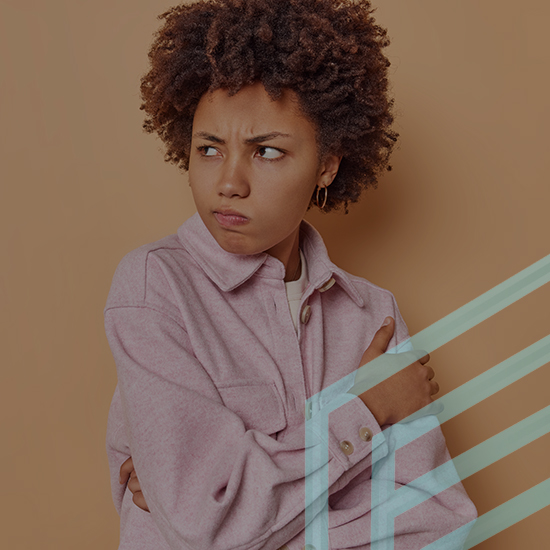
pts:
[288, 252]
[294, 273]
[292, 261]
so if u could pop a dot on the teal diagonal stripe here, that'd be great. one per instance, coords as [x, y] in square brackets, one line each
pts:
[455, 324]
[488, 383]
[512, 511]
[503, 443]
[468, 463]
[495, 379]
[498, 519]
[483, 306]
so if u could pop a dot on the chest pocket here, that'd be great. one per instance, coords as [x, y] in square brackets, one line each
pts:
[258, 404]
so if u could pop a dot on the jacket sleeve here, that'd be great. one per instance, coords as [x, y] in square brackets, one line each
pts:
[415, 494]
[209, 482]
[413, 497]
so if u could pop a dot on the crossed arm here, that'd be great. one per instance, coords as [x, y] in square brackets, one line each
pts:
[390, 401]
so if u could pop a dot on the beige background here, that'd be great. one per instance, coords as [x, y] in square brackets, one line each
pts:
[465, 207]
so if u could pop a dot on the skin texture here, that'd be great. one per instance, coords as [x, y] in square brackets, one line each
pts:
[253, 167]
[403, 393]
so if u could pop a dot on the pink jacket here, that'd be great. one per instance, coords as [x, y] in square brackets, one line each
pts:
[210, 401]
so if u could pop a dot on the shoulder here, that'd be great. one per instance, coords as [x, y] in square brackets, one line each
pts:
[144, 269]
[369, 291]
[380, 303]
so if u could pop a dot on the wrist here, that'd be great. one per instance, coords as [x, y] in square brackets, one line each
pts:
[377, 408]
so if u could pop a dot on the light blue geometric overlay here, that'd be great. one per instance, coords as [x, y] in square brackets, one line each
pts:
[388, 503]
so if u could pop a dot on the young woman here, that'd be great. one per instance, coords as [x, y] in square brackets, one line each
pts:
[222, 331]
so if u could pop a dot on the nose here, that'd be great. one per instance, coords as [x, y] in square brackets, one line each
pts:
[234, 179]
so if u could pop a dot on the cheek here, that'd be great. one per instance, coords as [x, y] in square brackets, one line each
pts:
[198, 185]
[300, 196]
[286, 212]
[290, 203]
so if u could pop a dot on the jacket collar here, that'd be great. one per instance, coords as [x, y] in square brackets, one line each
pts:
[228, 271]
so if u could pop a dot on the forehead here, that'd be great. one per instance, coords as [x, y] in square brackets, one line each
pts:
[251, 111]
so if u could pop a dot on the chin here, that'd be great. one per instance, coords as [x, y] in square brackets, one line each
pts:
[237, 244]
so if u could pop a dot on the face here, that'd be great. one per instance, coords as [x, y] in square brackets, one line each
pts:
[253, 168]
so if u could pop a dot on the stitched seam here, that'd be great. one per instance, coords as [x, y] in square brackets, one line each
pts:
[157, 310]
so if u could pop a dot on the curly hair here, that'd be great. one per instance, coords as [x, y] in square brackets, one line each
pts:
[329, 52]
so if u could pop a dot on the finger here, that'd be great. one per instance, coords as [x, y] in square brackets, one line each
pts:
[133, 485]
[425, 359]
[382, 338]
[434, 407]
[125, 470]
[430, 372]
[139, 501]
[435, 387]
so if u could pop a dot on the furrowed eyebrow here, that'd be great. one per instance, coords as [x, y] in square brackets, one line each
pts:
[254, 139]
[266, 137]
[208, 137]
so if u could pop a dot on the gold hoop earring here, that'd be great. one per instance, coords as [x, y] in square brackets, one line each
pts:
[324, 199]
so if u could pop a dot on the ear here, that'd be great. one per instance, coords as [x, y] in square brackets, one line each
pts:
[328, 170]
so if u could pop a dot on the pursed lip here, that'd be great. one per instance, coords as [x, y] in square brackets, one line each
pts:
[230, 218]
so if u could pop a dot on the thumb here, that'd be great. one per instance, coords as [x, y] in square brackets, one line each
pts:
[126, 470]
[381, 339]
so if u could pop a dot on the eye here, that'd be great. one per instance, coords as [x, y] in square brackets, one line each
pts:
[270, 153]
[207, 151]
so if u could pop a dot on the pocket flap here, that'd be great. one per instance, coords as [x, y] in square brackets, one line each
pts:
[258, 404]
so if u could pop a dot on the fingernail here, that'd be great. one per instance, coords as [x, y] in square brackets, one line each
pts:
[387, 321]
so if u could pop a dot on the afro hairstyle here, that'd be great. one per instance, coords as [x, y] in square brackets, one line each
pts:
[329, 52]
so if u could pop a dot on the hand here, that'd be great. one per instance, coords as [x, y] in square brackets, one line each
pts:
[128, 474]
[402, 394]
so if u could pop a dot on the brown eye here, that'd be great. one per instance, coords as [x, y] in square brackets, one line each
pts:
[207, 151]
[269, 153]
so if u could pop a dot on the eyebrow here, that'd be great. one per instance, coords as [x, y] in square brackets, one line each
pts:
[265, 137]
[255, 139]
[208, 137]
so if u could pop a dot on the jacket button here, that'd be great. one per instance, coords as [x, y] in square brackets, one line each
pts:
[329, 284]
[347, 447]
[306, 314]
[365, 434]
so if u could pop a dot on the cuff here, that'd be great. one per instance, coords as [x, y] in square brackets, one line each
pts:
[345, 427]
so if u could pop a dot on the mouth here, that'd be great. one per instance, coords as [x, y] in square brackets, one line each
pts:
[230, 218]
